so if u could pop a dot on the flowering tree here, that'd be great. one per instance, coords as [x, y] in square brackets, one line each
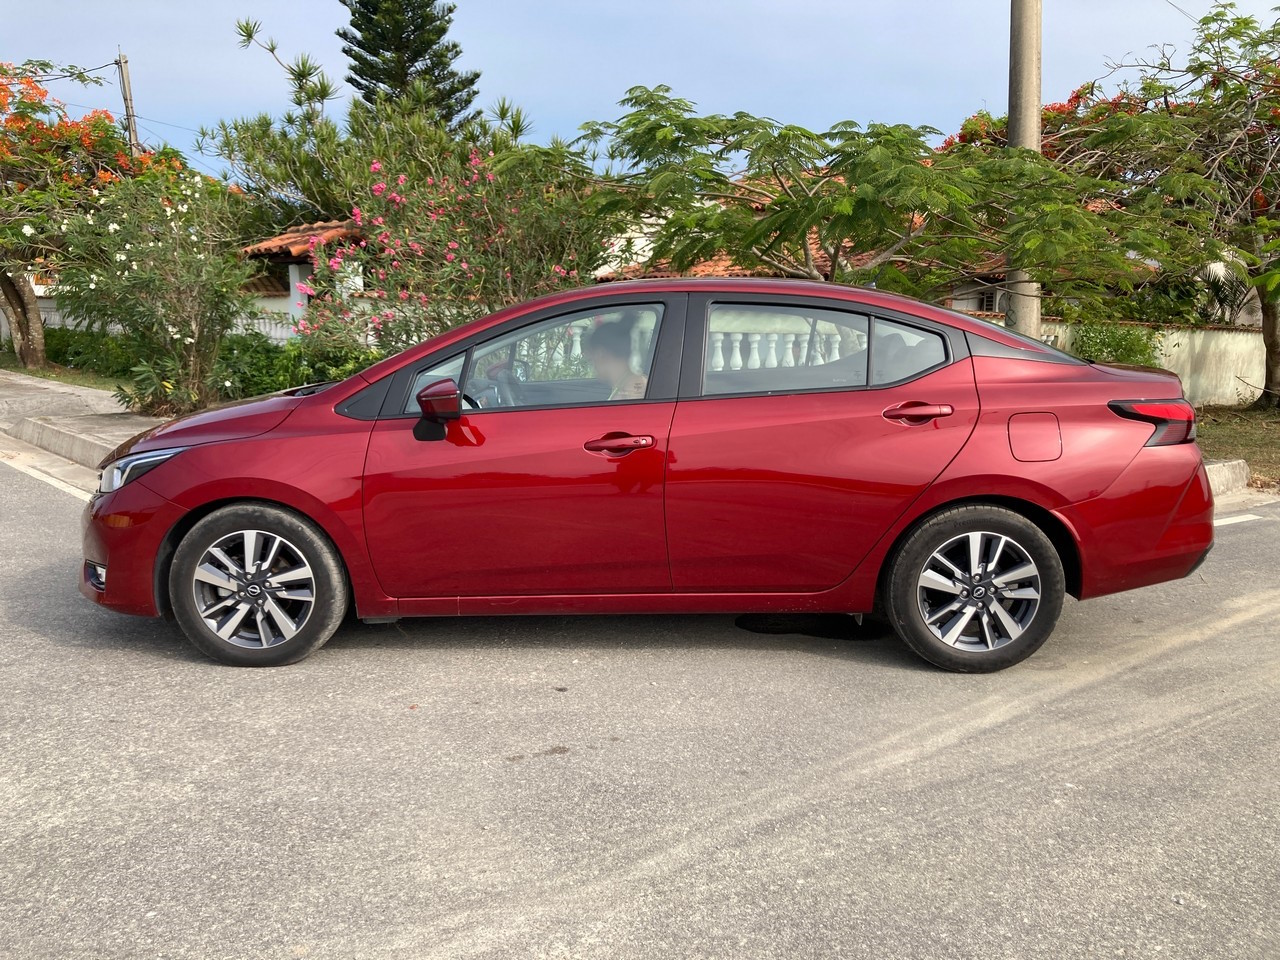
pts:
[455, 222]
[50, 166]
[481, 233]
[155, 259]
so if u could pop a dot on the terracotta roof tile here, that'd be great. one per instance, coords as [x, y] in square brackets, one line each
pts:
[296, 242]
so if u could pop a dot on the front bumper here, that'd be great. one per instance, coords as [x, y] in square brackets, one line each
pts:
[123, 534]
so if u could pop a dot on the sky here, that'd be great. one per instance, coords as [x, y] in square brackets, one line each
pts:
[922, 62]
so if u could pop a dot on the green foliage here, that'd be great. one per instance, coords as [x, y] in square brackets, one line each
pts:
[875, 204]
[395, 44]
[157, 258]
[93, 350]
[1111, 342]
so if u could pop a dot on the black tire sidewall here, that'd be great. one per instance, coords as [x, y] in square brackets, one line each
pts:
[330, 587]
[915, 550]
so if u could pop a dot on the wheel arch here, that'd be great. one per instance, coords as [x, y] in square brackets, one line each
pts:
[1064, 542]
[184, 524]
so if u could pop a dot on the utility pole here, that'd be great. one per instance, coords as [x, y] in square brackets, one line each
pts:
[130, 120]
[1022, 308]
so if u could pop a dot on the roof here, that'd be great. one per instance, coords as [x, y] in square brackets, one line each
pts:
[295, 243]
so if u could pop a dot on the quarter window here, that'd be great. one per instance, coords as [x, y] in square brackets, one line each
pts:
[899, 352]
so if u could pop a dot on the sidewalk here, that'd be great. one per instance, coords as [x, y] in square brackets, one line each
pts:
[84, 425]
[80, 424]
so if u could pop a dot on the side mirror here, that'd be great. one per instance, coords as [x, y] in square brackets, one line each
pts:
[441, 401]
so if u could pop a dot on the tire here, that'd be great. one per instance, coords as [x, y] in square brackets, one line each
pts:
[975, 615]
[257, 613]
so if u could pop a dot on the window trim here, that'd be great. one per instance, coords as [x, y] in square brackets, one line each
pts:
[955, 346]
[663, 379]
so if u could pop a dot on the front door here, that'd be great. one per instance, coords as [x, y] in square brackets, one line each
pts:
[803, 448]
[552, 480]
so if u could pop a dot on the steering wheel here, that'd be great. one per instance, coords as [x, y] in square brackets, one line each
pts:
[508, 388]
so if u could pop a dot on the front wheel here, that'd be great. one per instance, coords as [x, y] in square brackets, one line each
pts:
[975, 589]
[257, 586]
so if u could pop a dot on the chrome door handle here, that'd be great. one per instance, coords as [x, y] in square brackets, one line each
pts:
[617, 444]
[921, 412]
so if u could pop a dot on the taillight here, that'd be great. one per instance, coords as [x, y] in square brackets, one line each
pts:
[1174, 420]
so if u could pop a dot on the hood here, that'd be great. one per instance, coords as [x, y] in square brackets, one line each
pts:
[237, 420]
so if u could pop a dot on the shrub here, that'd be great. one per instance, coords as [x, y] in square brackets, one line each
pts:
[92, 350]
[157, 258]
[1109, 342]
[249, 365]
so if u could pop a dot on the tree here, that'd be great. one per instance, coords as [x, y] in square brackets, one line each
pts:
[156, 258]
[394, 44]
[1202, 134]
[454, 224]
[50, 166]
[865, 205]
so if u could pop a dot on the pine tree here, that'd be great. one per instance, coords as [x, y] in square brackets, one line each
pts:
[398, 45]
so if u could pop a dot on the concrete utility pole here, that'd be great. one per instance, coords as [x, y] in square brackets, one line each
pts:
[126, 91]
[1023, 300]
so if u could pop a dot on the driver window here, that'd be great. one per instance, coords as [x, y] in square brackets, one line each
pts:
[590, 356]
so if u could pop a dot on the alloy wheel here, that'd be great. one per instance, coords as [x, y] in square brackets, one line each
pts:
[254, 589]
[979, 591]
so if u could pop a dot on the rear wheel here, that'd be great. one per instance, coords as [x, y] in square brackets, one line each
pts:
[975, 588]
[256, 585]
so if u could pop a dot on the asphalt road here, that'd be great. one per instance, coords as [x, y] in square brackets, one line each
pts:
[639, 787]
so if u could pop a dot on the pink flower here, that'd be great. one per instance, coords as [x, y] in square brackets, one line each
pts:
[375, 166]
[404, 294]
[463, 265]
[400, 180]
[306, 291]
[379, 188]
[489, 177]
[356, 215]
[451, 257]
[453, 244]
[335, 264]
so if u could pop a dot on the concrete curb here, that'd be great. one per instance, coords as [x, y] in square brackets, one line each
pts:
[59, 439]
[1227, 476]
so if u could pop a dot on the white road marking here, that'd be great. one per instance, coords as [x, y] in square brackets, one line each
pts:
[1238, 518]
[17, 464]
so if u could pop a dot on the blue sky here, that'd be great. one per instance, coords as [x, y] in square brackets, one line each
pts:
[930, 62]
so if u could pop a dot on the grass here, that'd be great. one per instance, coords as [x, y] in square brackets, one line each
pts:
[1230, 433]
[79, 378]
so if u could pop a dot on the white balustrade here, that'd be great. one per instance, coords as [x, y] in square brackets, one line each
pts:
[735, 351]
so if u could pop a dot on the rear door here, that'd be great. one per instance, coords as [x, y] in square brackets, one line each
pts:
[804, 428]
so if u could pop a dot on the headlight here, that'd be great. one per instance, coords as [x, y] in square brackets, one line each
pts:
[119, 472]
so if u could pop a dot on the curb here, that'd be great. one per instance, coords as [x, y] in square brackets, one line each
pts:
[39, 432]
[1227, 476]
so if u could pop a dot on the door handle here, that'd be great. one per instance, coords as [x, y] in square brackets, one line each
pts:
[918, 412]
[617, 443]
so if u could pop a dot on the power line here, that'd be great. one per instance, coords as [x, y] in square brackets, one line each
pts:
[1181, 11]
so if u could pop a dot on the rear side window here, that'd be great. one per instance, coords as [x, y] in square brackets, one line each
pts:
[899, 352]
[757, 348]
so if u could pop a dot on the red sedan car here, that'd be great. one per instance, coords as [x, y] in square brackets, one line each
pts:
[667, 446]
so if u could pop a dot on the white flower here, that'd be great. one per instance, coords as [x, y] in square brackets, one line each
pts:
[226, 383]
[93, 286]
[182, 208]
[112, 227]
[28, 230]
[188, 339]
[121, 258]
[133, 265]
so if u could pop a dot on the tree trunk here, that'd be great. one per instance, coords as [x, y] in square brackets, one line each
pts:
[1271, 340]
[25, 322]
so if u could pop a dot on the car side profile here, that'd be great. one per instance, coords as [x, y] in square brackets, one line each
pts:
[694, 446]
